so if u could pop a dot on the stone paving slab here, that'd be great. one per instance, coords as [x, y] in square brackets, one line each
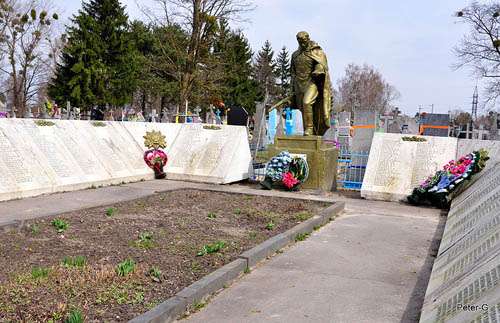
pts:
[359, 268]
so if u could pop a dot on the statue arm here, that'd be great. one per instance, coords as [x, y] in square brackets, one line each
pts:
[285, 100]
[318, 70]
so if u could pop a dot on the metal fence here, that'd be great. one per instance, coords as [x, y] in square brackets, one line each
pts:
[259, 159]
[351, 168]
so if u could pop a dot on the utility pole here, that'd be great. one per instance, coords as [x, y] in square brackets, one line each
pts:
[419, 117]
[474, 104]
[432, 108]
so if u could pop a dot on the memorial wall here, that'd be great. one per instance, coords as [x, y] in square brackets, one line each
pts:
[76, 154]
[465, 282]
[396, 166]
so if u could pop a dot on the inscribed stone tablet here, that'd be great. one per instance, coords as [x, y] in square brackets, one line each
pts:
[396, 166]
[208, 155]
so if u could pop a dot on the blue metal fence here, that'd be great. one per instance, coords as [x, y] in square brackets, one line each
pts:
[351, 168]
[259, 160]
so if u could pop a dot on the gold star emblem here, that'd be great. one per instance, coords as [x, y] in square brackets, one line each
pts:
[154, 139]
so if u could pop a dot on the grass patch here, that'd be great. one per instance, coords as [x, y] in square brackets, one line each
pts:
[196, 266]
[110, 212]
[270, 225]
[238, 211]
[211, 215]
[253, 234]
[198, 305]
[247, 271]
[145, 241]
[125, 268]
[34, 228]
[39, 272]
[213, 248]
[301, 236]
[60, 224]
[302, 216]
[155, 273]
[75, 316]
[77, 261]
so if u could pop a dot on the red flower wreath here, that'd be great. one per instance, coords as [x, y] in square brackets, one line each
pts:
[156, 158]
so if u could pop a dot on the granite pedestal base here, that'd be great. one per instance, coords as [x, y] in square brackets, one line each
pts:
[321, 158]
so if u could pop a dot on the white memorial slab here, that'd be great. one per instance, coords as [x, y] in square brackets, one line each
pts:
[68, 155]
[396, 166]
[466, 146]
[76, 154]
[138, 130]
[465, 280]
[207, 155]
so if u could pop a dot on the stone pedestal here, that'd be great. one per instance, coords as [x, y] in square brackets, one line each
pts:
[321, 158]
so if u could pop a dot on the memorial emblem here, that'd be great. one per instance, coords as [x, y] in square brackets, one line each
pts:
[154, 157]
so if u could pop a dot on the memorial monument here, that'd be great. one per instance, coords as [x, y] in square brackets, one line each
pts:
[310, 82]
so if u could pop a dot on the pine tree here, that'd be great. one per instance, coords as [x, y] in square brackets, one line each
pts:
[265, 72]
[99, 64]
[242, 88]
[283, 72]
[237, 85]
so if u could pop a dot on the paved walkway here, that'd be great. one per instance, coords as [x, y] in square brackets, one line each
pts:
[369, 265]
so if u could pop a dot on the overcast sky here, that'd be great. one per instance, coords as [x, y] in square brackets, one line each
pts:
[409, 42]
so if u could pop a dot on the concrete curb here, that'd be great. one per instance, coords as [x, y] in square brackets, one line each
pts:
[212, 282]
[186, 299]
[167, 311]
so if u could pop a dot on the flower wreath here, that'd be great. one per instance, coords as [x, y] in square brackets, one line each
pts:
[156, 159]
[292, 171]
[438, 188]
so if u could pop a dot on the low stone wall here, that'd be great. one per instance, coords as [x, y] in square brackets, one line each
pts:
[465, 280]
[73, 154]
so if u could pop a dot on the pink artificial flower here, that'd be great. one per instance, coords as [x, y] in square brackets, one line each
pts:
[467, 162]
[452, 162]
[461, 160]
[445, 167]
[461, 168]
[289, 180]
[455, 170]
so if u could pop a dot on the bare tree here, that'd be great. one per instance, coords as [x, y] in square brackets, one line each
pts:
[364, 88]
[186, 59]
[25, 26]
[479, 49]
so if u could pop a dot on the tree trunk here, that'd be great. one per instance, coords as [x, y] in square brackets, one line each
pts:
[143, 102]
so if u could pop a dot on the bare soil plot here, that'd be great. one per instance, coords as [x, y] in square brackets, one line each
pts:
[110, 264]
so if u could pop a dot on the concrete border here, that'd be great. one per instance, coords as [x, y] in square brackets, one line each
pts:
[186, 299]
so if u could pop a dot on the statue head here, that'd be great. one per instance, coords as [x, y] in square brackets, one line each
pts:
[303, 39]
